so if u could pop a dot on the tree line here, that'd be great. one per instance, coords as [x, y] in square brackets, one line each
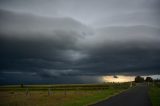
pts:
[147, 79]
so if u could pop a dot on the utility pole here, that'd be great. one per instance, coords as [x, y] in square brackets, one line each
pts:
[130, 81]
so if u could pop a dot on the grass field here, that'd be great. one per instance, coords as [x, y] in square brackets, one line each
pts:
[58, 95]
[155, 95]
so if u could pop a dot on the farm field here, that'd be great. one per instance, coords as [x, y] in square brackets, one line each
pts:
[155, 95]
[58, 95]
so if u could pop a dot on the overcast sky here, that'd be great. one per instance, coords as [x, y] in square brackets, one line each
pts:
[78, 41]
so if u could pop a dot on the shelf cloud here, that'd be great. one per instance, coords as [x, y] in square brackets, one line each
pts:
[77, 41]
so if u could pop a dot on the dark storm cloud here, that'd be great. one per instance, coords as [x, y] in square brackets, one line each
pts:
[41, 46]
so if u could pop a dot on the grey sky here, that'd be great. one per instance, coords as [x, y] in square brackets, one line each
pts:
[87, 11]
[72, 39]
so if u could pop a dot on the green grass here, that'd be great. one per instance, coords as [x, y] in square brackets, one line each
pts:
[91, 99]
[155, 95]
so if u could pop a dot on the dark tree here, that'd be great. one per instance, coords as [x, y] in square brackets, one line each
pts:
[139, 79]
[22, 85]
[149, 79]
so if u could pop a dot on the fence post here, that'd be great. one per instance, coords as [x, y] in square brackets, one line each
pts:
[153, 83]
[65, 93]
[76, 90]
[52, 91]
[27, 92]
[131, 84]
[49, 91]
